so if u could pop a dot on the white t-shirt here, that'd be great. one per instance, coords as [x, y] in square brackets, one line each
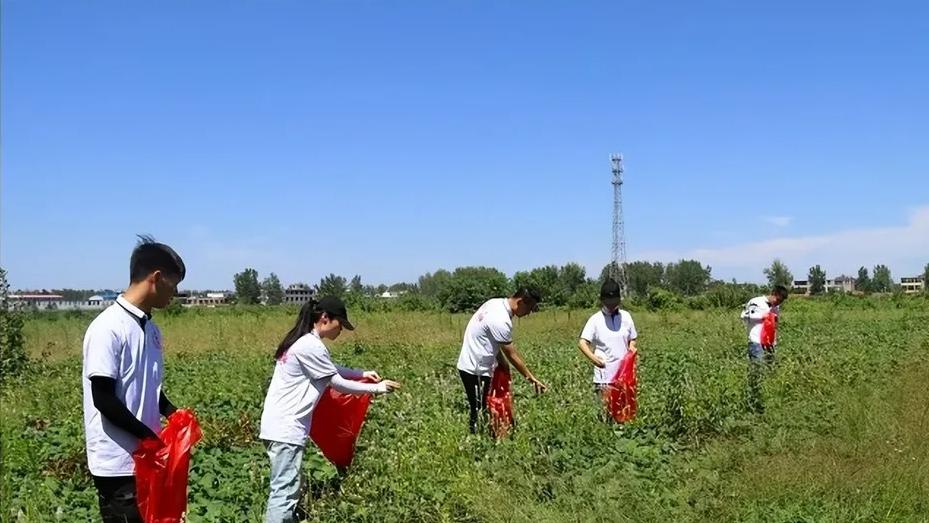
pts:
[117, 346]
[610, 336]
[300, 377]
[490, 328]
[753, 315]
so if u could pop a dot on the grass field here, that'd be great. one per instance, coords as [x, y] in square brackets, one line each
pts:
[843, 437]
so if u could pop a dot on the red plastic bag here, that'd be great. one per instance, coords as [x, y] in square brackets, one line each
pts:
[769, 330]
[161, 471]
[620, 397]
[337, 422]
[500, 403]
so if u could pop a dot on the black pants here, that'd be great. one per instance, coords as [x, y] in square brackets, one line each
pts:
[476, 388]
[117, 499]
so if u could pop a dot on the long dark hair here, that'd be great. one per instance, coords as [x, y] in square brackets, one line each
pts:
[308, 317]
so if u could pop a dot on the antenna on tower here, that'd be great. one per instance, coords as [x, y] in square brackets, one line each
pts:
[618, 263]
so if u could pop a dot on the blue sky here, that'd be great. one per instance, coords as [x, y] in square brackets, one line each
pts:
[389, 139]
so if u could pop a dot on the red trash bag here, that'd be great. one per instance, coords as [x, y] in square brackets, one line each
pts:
[769, 330]
[337, 422]
[161, 471]
[620, 397]
[500, 403]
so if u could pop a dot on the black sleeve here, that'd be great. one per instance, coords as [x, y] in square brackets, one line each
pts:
[103, 390]
[165, 406]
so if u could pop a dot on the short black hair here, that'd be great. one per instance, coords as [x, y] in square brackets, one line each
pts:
[528, 292]
[780, 291]
[150, 256]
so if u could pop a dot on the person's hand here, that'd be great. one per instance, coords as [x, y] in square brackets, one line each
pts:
[391, 385]
[599, 362]
[152, 442]
[371, 375]
[538, 385]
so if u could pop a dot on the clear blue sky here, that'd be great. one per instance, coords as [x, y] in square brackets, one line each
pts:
[389, 139]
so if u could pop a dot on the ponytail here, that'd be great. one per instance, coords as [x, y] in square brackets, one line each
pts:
[308, 317]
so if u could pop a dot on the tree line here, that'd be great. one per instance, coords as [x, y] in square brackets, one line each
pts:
[652, 284]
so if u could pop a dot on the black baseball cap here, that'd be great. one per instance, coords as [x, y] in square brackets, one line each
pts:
[610, 289]
[334, 308]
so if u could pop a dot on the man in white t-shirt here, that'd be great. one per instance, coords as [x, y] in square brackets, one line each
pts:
[488, 342]
[607, 336]
[123, 369]
[753, 315]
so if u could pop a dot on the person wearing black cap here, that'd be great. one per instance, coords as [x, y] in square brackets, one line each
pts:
[302, 372]
[488, 342]
[608, 335]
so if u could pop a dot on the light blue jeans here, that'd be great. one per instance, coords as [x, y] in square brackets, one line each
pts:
[286, 461]
[759, 361]
[758, 354]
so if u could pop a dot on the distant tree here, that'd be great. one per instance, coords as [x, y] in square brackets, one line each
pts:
[882, 282]
[468, 287]
[688, 277]
[273, 290]
[12, 344]
[247, 289]
[402, 287]
[332, 285]
[585, 295]
[75, 294]
[926, 279]
[640, 275]
[863, 282]
[817, 279]
[431, 284]
[778, 274]
[610, 270]
[546, 280]
[571, 276]
[356, 287]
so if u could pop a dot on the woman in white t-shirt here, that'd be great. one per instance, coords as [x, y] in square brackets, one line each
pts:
[302, 372]
[607, 336]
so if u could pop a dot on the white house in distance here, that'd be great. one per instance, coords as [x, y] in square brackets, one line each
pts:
[102, 300]
[913, 284]
[298, 293]
[389, 295]
[41, 300]
[209, 299]
[840, 284]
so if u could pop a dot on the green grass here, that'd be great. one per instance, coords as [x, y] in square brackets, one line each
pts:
[842, 437]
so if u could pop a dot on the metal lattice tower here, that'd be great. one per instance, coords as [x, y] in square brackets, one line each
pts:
[618, 265]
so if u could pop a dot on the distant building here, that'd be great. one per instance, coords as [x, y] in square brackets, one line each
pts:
[42, 300]
[209, 299]
[102, 300]
[841, 284]
[913, 284]
[298, 293]
[391, 294]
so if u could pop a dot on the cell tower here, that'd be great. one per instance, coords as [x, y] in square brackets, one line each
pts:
[618, 267]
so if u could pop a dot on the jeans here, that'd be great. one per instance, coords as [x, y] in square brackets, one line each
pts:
[476, 388]
[117, 499]
[286, 461]
[759, 359]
